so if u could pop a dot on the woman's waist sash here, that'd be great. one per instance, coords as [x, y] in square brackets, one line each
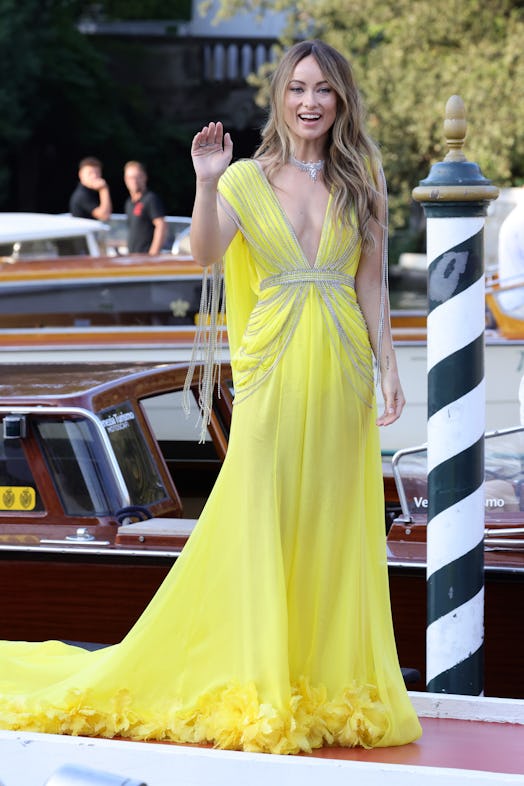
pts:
[318, 276]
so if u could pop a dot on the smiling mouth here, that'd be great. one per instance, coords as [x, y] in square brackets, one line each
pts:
[309, 117]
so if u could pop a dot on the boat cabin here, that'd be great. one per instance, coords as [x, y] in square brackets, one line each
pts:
[101, 481]
[78, 444]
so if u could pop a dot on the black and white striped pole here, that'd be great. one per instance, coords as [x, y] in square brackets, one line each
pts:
[455, 198]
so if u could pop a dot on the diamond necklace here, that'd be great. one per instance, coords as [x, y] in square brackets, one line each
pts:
[311, 168]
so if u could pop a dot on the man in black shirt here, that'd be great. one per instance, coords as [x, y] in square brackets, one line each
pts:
[91, 197]
[145, 213]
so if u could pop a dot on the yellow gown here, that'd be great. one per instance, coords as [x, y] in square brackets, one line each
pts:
[273, 630]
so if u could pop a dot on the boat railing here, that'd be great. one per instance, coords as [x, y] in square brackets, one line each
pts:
[503, 484]
[420, 453]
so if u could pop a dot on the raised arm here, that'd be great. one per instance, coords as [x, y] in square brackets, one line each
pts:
[369, 287]
[105, 208]
[159, 235]
[212, 230]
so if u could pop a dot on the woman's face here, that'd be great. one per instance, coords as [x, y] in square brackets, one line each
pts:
[310, 103]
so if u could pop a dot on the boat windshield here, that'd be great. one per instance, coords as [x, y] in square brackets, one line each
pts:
[45, 248]
[78, 465]
[137, 465]
[503, 476]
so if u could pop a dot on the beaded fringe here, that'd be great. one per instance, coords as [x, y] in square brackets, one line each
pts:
[207, 346]
[384, 276]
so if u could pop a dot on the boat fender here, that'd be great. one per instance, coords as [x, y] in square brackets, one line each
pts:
[133, 513]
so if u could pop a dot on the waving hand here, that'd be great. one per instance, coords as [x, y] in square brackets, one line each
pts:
[211, 152]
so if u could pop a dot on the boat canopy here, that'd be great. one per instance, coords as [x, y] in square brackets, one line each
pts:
[35, 226]
[19, 229]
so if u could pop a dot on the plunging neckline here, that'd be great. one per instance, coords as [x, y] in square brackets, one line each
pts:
[288, 223]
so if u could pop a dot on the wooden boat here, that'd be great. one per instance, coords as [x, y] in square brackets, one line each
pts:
[45, 235]
[79, 293]
[80, 467]
[504, 559]
[80, 559]
[57, 271]
[76, 511]
[60, 271]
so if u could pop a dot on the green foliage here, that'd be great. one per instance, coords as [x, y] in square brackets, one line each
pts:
[19, 63]
[59, 102]
[409, 58]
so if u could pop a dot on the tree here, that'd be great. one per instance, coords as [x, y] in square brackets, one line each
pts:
[144, 9]
[59, 101]
[409, 58]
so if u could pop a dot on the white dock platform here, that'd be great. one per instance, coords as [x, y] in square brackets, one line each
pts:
[466, 741]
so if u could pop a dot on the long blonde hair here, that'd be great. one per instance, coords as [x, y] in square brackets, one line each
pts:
[352, 162]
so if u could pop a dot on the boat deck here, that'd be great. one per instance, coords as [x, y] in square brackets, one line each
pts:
[449, 742]
[483, 745]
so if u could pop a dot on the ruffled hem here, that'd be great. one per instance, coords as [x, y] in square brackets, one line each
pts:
[231, 717]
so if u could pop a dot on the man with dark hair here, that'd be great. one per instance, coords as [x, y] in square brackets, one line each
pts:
[91, 197]
[145, 213]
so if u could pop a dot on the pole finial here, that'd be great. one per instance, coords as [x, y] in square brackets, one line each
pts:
[455, 128]
[455, 180]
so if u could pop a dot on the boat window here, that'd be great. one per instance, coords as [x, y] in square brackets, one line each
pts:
[45, 248]
[177, 230]
[78, 465]
[140, 472]
[169, 421]
[18, 491]
[193, 466]
[504, 472]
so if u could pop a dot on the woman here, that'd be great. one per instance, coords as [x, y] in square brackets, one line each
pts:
[273, 630]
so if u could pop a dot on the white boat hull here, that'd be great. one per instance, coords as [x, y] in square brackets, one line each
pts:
[504, 368]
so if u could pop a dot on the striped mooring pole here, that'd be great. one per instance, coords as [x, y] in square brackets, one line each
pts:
[455, 197]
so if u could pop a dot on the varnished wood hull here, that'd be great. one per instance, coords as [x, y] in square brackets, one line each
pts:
[78, 598]
[93, 598]
[504, 637]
